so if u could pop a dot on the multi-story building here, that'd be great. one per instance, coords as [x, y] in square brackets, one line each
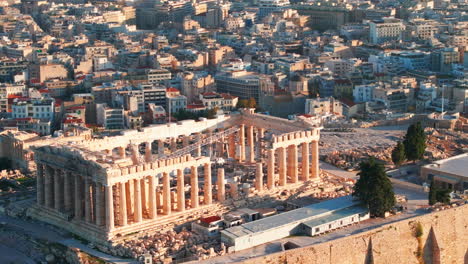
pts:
[385, 30]
[110, 118]
[153, 94]
[174, 100]
[266, 7]
[7, 91]
[442, 59]
[222, 101]
[33, 108]
[158, 76]
[242, 84]
[363, 93]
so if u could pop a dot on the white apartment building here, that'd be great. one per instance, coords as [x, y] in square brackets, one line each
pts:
[387, 29]
[363, 93]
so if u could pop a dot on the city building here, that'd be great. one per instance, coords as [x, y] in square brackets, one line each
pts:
[448, 173]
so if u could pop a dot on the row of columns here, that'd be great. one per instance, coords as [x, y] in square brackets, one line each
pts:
[71, 194]
[245, 144]
[288, 164]
[125, 202]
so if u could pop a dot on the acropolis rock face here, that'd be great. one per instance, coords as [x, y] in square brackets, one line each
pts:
[102, 189]
[444, 240]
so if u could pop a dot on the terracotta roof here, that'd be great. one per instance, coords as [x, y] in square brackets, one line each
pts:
[210, 219]
[172, 89]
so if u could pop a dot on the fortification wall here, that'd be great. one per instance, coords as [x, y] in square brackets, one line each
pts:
[444, 240]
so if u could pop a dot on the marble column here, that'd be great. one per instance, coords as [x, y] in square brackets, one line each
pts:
[232, 146]
[259, 177]
[315, 160]
[153, 211]
[305, 161]
[173, 144]
[144, 204]
[194, 187]
[148, 151]
[180, 190]
[128, 197]
[221, 188]
[242, 143]
[68, 191]
[58, 190]
[207, 189]
[292, 163]
[78, 198]
[271, 169]
[137, 214]
[282, 166]
[88, 200]
[109, 204]
[40, 184]
[99, 208]
[122, 204]
[48, 187]
[166, 194]
[260, 136]
[160, 147]
[135, 154]
[250, 142]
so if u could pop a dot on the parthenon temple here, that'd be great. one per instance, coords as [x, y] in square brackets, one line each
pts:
[109, 187]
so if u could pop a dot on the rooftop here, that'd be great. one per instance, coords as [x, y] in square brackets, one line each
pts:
[455, 165]
[297, 215]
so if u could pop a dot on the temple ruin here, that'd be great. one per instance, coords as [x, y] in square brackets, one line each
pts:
[102, 189]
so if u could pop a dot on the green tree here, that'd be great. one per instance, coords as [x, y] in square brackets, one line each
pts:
[432, 194]
[443, 196]
[251, 103]
[242, 103]
[415, 142]
[398, 154]
[374, 188]
[437, 195]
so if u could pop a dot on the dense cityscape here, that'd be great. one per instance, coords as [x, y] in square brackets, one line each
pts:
[262, 131]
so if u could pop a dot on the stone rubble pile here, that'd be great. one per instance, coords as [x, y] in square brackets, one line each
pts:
[165, 246]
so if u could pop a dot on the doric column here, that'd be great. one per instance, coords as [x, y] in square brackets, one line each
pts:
[208, 188]
[315, 160]
[160, 147]
[88, 200]
[259, 177]
[232, 146]
[144, 204]
[137, 215]
[109, 208]
[242, 143]
[121, 152]
[194, 187]
[129, 197]
[271, 169]
[99, 208]
[250, 142]
[78, 198]
[68, 191]
[180, 190]
[282, 166]
[305, 161]
[40, 184]
[58, 190]
[173, 144]
[166, 194]
[260, 136]
[48, 187]
[122, 204]
[210, 144]
[220, 182]
[148, 151]
[135, 154]
[292, 163]
[153, 211]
